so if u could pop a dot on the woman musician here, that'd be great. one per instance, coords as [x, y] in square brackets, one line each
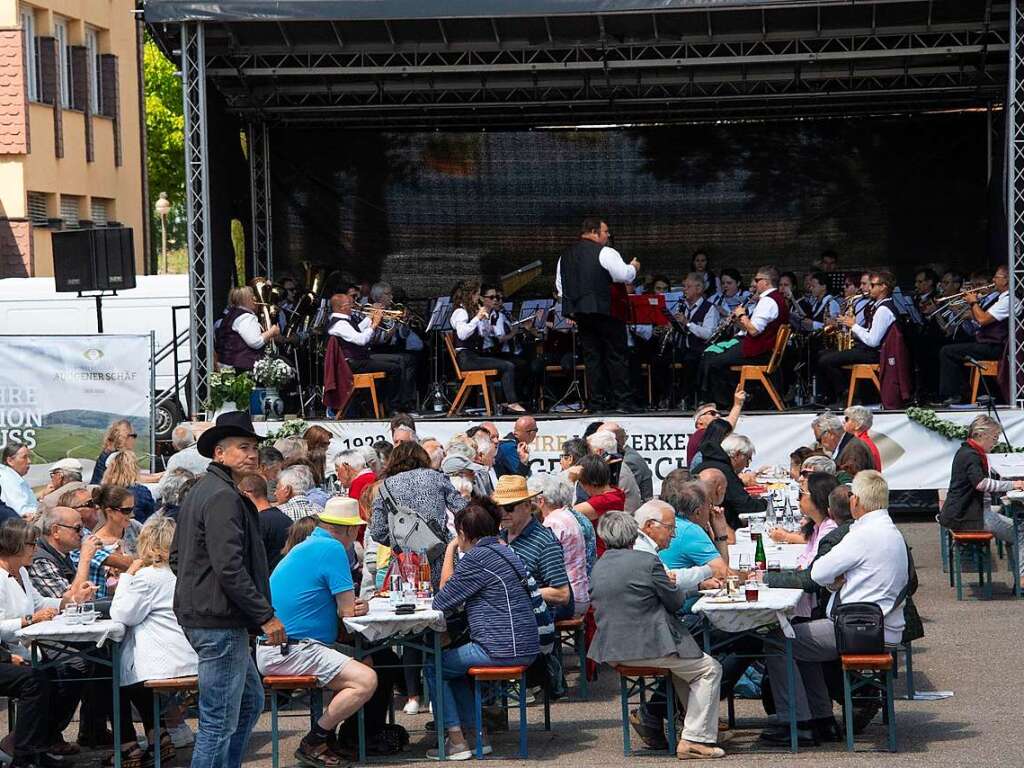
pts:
[240, 338]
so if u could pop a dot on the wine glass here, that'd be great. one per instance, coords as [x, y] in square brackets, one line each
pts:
[743, 561]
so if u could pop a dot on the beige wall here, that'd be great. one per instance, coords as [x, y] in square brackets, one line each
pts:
[72, 175]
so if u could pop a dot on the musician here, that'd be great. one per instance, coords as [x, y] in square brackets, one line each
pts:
[586, 275]
[400, 338]
[731, 294]
[857, 287]
[694, 321]
[829, 261]
[951, 283]
[822, 305]
[992, 314]
[756, 337]
[701, 264]
[470, 333]
[925, 282]
[355, 337]
[878, 318]
[239, 339]
[505, 342]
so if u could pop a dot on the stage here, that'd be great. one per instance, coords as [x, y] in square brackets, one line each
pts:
[914, 457]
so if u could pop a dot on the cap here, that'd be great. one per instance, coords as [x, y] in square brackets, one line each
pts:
[341, 510]
[71, 465]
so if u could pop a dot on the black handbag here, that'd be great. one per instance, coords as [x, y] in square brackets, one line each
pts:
[860, 628]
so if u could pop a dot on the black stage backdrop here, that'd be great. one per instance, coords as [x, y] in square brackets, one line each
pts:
[425, 209]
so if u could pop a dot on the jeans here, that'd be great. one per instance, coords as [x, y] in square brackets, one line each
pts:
[230, 696]
[455, 688]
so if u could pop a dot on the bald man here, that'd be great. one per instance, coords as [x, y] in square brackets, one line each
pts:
[641, 471]
[514, 450]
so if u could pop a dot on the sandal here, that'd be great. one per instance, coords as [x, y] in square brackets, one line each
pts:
[131, 757]
[317, 755]
[167, 751]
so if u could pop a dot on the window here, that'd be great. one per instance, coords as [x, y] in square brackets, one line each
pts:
[39, 208]
[28, 45]
[70, 211]
[92, 52]
[60, 34]
[100, 209]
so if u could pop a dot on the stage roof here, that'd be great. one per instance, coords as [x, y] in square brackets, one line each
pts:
[469, 64]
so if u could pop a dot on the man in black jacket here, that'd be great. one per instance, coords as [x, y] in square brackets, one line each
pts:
[223, 592]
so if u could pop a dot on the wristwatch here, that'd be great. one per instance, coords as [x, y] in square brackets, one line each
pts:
[722, 538]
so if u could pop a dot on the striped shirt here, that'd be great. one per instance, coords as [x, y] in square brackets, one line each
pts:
[542, 555]
[501, 614]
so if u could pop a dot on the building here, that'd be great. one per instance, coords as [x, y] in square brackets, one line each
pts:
[70, 126]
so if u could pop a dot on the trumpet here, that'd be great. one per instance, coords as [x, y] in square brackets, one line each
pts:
[954, 298]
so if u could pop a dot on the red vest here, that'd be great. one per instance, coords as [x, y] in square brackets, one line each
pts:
[764, 342]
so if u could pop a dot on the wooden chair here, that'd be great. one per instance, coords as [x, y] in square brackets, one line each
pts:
[862, 372]
[872, 670]
[988, 368]
[762, 373]
[469, 380]
[366, 381]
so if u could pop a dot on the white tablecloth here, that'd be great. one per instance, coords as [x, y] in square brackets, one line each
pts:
[772, 606]
[382, 621]
[99, 632]
[786, 554]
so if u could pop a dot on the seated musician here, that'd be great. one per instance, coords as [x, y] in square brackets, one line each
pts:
[694, 320]
[399, 339]
[239, 338]
[879, 316]
[857, 288]
[470, 332]
[355, 336]
[731, 294]
[992, 314]
[510, 342]
[756, 337]
[823, 305]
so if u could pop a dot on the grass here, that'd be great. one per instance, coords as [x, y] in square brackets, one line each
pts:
[59, 442]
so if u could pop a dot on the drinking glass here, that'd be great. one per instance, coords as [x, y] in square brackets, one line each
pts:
[751, 591]
[743, 561]
[774, 566]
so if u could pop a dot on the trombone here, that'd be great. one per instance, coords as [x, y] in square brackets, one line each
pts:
[956, 298]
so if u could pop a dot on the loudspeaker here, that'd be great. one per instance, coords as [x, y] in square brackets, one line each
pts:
[100, 259]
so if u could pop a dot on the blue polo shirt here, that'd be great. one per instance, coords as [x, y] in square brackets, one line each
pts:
[304, 583]
[690, 546]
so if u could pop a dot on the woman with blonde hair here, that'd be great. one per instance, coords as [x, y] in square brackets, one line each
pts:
[120, 437]
[123, 470]
[154, 647]
[239, 339]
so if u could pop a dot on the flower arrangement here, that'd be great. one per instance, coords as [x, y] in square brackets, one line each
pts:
[229, 387]
[928, 419]
[272, 372]
[294, 427]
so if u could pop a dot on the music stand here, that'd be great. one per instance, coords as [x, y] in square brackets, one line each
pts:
[990, 406]
[439, 323]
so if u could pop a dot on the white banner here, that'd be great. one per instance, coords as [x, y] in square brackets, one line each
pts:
[59, 394]
[913, 457]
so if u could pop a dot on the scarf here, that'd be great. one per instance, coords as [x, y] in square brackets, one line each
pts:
[981, 452]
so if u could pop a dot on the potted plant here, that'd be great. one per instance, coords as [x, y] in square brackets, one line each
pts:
[271, 373]
[229, 391]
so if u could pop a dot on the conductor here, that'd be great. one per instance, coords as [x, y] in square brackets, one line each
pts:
[585, 279]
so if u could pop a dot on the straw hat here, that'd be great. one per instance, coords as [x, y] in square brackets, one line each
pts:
[511, 489]
[341, 510]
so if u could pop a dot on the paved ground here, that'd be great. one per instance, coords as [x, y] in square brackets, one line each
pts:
[971, 648]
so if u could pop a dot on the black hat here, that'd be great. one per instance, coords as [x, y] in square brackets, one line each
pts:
[230, 424]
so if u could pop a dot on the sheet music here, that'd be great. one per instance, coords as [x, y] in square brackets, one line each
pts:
[673, 300]
[531, 307]
[440, 315]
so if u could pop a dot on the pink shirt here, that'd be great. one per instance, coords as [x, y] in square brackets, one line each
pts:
[563, 524]
[804, 560]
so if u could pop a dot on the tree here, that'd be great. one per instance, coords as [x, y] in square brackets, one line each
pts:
[165, 140]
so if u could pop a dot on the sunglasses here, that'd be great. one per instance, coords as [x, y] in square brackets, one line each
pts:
[86, 505]
[123, 510]
[76, 528]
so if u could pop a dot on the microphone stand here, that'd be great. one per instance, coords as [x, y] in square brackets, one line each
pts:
[991, 408]
[574, 385]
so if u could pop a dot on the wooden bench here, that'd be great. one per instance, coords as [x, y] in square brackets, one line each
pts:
[504, 676]
[978, 545]
[573, 632]
[291, 683]
[170, 685]
[874, 671]
[633, 682]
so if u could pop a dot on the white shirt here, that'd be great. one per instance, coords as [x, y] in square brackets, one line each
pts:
[831, 310]
[611, 260]
[343, 329]
[16, 492]
[466, 327]
[872, 559]
[17, 601]
[248, 327]
[1000, 310]
[154, 647]
[880, 323]
[765, 311]
[705, 328]
[687, 579]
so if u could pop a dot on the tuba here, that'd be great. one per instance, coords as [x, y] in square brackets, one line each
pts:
[268, 296]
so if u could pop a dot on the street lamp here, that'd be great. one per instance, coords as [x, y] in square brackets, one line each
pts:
[163, 207]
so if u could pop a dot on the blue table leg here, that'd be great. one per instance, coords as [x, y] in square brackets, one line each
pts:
[670, 696]
[275, 757]
[624, 702]
[439, 704]
[360, 715]
[1015, 547]
[156, 727]
[115, 678]
[791, 681]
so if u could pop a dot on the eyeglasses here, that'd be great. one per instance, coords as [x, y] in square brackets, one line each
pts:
[666, 527]
[86, 505]
[132, 435]
[75, 528]
[123, 510]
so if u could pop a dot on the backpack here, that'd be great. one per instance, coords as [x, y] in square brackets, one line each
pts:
[410, 531]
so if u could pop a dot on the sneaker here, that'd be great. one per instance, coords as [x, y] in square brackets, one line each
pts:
[452, 751]
[653, 738]
[182, 736]
[412, 707]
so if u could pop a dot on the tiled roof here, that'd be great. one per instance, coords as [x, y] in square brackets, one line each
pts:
[13, 103]
[15, 245]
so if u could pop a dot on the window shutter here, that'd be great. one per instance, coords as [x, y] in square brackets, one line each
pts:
[80, 92]
[109, 98]
[46, 48]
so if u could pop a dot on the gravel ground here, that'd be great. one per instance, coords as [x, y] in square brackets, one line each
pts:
[970, 648]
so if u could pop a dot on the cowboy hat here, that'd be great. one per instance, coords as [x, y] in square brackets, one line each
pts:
[511, 489]
[230, 424]
[341, 510]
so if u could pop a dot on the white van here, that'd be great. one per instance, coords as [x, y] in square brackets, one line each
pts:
[32, 305]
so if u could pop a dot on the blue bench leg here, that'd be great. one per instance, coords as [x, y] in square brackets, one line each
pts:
[988, 571]
[624, 700]
[957, 575]
[156, 728]
[581, 651]
[522, 715]
[547, 710]
[910, 671]
[944, 548]
[890, 708]
[848, 711]
[670, 697]
[275, 757]
[478, 714]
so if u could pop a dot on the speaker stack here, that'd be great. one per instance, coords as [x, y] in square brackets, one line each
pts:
[101, 259]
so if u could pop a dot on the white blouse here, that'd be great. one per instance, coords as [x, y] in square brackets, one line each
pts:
[16, 602]
[154, 647]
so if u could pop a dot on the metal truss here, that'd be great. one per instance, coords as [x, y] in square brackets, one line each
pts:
[1015, 198]
[259, 190]
[197, 198]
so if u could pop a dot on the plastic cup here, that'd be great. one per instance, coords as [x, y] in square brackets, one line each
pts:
[751, 591]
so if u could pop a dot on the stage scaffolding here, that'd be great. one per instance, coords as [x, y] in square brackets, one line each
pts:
[513, 65]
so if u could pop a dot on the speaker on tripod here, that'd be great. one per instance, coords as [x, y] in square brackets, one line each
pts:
[100, 259]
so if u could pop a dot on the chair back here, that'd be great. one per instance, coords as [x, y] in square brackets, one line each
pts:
[450, 345]
[781, 339]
